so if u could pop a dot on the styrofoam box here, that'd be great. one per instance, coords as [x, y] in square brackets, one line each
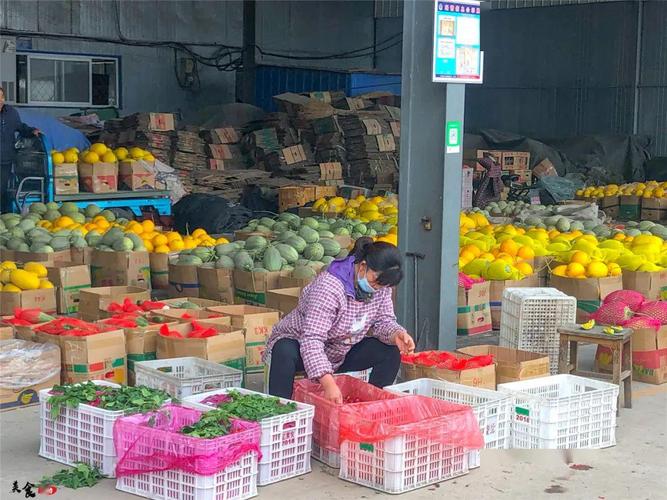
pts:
[401, 464]
[81, 434]
[285, 442]
[183, 377]
[530, 319]
[562, 412]
[237, 482]
[493, 409]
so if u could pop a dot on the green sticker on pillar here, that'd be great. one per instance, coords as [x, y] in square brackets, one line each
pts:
[453, 137]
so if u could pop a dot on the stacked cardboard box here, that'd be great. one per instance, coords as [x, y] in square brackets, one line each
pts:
[66, 178]
[223, 148]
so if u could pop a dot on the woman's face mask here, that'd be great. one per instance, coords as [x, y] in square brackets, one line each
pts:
[365, 281]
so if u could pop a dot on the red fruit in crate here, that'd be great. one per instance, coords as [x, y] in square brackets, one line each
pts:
[631, 298]
[656, 309]
[613, 313]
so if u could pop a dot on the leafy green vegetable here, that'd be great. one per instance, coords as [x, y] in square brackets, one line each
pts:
[128, 399]
[82, 475]
[212, 424]
[254, 407]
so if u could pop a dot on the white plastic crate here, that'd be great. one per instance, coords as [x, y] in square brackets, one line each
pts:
[493, 409]
[563, 411]
[81, 434]
[183, 377]
[530, 319]
[286, 440]
[327, 457]
[237, 482]
[401, 464]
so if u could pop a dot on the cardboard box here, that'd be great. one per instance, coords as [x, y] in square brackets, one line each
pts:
[496, 295]
[99, 177]
[120, 269]
[283, 299]
[136, 175]
[44, 299]
[484, 377]
[161, 122]
[474, 312]
[257, 324]
[515, 160]
[541, 266]
[44, 258]
[94, 302]
[227, 348]
[183, 281]
[495, 154]
[289, 282]
[203, 316]
[95, 357]
[295, 196]
[159, 265]
[66, 178]
[512, 365]
[589, 292]
[652, 285]
[629, 207]
[202, 303]
[654, 209]
[216, 284]
[325, 191]
[140, 345]
[68, 279]
[20, 332]
[608, 202]
[649, 356]
[466, 187]
[81, 255]
[39, 370]
[545, 169]
[524, 177]
[6, 333]
[250, 288]
[331, 171]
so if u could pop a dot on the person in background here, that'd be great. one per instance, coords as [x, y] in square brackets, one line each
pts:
[491, 184]
[10, 126]
[344, 321]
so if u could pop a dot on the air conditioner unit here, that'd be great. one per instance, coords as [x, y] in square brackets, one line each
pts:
[8, 67]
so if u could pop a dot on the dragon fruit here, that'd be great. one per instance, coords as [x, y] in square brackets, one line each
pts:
[613, 313]
[656, 309]
[631, 298]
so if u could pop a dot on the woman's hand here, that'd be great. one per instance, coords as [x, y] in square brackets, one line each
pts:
[404, 342]
[331, 391]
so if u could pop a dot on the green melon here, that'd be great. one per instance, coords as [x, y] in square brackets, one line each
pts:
[272, 259]
[314, 251]
[309, 234]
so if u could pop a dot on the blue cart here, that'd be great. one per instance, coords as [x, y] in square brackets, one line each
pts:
[33, 183]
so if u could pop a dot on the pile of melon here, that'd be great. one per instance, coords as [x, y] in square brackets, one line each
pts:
[300, 247]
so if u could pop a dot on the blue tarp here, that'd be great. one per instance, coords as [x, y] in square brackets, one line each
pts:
[61, 136]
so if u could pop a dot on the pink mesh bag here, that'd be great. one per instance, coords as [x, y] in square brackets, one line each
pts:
[642, 322]
[152, 442]
[631, 298]
[612, 313]
[656, 309]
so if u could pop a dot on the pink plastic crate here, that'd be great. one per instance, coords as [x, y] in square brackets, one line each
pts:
[195, 468]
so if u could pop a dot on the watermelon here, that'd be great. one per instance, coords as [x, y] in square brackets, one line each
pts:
[314, 251]
[256, 243]
[289, 253]
[272, 259]
[331, 247]
[309, 234]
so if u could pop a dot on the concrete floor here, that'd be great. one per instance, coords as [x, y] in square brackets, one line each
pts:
[636, 468]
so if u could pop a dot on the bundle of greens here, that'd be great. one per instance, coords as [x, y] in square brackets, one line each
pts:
[128, 399]
[251, 407]
[78, 477]
[212, 424]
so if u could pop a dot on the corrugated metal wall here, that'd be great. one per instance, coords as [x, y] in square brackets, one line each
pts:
[147, 74]
[653, 81]
[557, 71]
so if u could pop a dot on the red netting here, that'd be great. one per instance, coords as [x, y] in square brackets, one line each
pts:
[642, 322]
[152, 442]
[467, 282]
[612, 313]
[426, 418]
[656, 309]
[327, 414]
[631, 298]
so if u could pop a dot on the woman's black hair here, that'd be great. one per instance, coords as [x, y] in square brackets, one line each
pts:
[381, 257]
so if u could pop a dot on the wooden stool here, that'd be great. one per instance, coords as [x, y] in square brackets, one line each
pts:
[620, 345]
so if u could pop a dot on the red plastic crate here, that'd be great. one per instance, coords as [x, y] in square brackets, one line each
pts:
[326, 443]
